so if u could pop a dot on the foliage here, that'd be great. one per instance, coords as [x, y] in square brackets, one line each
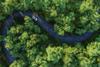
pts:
[18, 63]
[69, 16]
[54, 54]
[32, 46]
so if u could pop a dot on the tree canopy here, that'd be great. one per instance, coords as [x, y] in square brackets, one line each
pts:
[32, 46]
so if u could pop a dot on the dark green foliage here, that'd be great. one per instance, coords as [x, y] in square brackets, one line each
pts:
[33, 47]
[69, 16]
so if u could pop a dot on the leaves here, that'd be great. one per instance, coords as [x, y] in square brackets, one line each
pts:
[18, 63]
[54, 54]
[34, 48]
[93, 49]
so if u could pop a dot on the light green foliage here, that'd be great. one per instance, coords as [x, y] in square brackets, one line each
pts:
[64, 24]
[93, 49]
[69, 56]
[86, 5]
[54, 54]
[18, 63]
[34, 48]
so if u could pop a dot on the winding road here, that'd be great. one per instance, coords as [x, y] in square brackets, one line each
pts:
[44, 25]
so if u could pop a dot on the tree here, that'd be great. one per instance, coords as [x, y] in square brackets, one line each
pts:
[54, 54]
[31, 45]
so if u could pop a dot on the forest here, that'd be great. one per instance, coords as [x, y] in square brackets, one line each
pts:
[33, 47]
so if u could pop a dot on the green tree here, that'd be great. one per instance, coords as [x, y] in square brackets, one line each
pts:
[54, 54]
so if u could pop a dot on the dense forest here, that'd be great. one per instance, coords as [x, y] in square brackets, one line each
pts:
[31, 45]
